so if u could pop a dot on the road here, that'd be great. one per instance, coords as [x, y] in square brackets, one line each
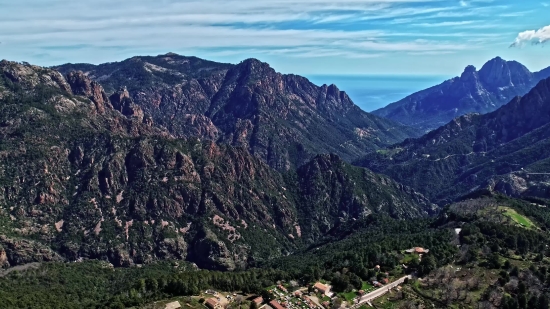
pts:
[381, 291]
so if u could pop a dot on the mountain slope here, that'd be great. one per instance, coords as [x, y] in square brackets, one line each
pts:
[285, 120]
[504, 150]
[483, 91]
[86, 175]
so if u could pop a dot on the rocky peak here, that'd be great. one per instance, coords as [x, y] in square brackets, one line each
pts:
[500, 73]
[123, 103]
[83, 85]
[335, 99]
[254, 69]
[469, 75]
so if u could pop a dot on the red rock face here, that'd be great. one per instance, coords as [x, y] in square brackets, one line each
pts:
[84, 86]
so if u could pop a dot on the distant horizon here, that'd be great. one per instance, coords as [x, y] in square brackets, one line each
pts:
[371, 92]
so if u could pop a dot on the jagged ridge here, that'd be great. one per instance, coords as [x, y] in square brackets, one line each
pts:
[283, 119]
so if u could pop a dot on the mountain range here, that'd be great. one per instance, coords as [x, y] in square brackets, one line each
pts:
[495, 84]
[87, 174]
[507, 150]
[284, 120]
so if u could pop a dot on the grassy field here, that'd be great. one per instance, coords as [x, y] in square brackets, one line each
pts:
[349, 296]
[367, 287]
[523, 221]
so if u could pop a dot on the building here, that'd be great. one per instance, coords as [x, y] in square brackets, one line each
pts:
[298, 294]
[385, 280]
[324, 289]
[275, 305]
[282, 288]
[258, 300]
[173, 305]
[417, 250]
[212, 303]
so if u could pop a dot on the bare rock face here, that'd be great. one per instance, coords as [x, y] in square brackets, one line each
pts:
[511, 185]
[84, 86]
[123, 103]
[4, 263]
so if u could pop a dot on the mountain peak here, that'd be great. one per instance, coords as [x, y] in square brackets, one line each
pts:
[495, 84]
[469, 69]
[498, 73]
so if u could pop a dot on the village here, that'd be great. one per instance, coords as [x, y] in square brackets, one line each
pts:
[317, 295]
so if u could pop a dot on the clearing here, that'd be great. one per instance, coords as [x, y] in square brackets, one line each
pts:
[520, 219]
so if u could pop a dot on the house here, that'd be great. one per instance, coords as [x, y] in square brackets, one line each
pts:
[282, 288]
[275, 305]
[258, 300]
[385, 280]
[377, 267]
[377, 284]
[298, 294]
[417, 250]
[326, 304]
[212, 303]
[324, 289]
[173, 305]
[361, 292]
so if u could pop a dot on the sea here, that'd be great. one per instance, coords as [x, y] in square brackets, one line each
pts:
[371, 92]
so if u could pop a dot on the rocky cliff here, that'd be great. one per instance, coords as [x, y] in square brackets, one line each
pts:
[483, 91]
[284, 120]
[84, 174]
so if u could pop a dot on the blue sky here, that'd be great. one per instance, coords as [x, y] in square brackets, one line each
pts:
[430, 37]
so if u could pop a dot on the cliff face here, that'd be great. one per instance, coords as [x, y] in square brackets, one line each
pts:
[88, 175]
[483, 91]
[285, 120]
[506, 150]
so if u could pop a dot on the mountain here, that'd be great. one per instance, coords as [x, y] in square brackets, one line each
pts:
[284, 120]
[483, 91]
[507, 150]
[88, 175]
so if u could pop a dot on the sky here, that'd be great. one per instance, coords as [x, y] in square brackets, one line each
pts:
[333, 37]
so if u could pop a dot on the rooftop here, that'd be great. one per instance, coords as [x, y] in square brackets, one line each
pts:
[173, 305]
[275, 304]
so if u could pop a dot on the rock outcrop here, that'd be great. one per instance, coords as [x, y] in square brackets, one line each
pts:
[84, 86]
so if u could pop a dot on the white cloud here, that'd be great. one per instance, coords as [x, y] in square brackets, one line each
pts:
[67, 30]
[540, 36]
